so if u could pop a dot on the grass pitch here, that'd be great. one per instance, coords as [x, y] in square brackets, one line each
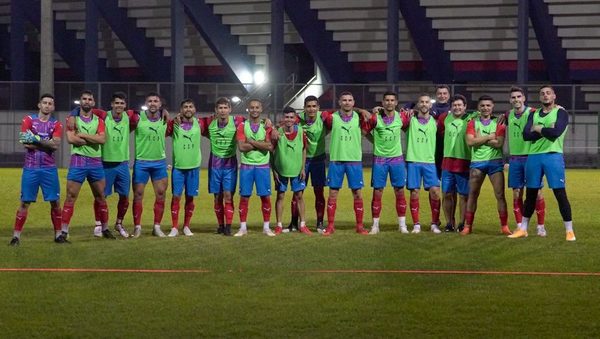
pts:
[299, 286]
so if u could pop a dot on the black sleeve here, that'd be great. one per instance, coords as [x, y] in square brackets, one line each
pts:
[562, 120]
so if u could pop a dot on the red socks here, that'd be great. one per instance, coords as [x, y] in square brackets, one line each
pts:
[56, 216]
[175, 211]
[229, 213]
[266, 208]
[159, 210]
[189, 211]
[67, 212]
[469, 217]
[331, 206]
[414, 210]
[122, 206]
[435, 210]
[540, 210]
[20, 219]
[101, 211]
[503, 215]
[518, 210]
[359, 212]
[219, 211]
[400, 204]
[138, 208]
[376, 204]
[243, 209]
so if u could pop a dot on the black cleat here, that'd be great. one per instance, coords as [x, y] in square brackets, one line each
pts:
[220, 230]
[320, 226]
[449, 228]
[15, 241]
[293, 226]
[460, 227]
[62, 238]
[107, 234]
[227, 230]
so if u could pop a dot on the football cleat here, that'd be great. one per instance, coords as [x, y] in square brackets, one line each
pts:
[320, 226]
[98, 231]
[328, 231]
[416, 229]
[107, 234]
[137, 231]
[505, 230]
[227, 231]
[460, 227]
[518, 233]
[541, 231]
[374, 230]
[121, 230]
[466, 230]
[174, 232]
[305, 230]
[268, 232]
[241, 233]
[278, 230]
[403, 230]
[361, 230]
[220, 229]
[570, 236]
[435, 229]
[449, 228]
[157, 232]
[62, 238]
[188, 233]
[15, 241]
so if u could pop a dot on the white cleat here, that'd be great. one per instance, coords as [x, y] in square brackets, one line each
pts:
[541, 231]
[187, 231]
[241, 233]
[403, 230]
[374, 230]
[174, 232]
[416, 229]
[157, 232]
[435, 229]
[137, 231]
[119, 228]
[268, 232]
[98, 231]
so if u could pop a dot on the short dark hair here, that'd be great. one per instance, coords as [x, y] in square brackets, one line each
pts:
[311, 98]
[255, 99]
[423, 95]
[118, 95]
[485, 97]
[517, 89]
[390, 93]
[288, 109]
[223, 101]
[186, 101]
[346, 93]
[440, 86]
[152, 94]
[459, 97]
[46, 95]
[546, 86]
[86, 91]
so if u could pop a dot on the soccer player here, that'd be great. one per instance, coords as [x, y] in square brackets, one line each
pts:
[86, 139]
[288, 166]
[311, 121]
[486, 138]
[515, 120]
[187, 158]
[254, 143]
[441, 105]
[386, 125]
[345, 158]
[420, 157]
[40, 135]
[150, 163]
[546, 130]
[222, 165]
[456, 162]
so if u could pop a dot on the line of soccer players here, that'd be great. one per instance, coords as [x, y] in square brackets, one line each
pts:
[466, 147]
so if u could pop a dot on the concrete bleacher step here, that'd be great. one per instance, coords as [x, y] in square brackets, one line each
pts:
[578, 26]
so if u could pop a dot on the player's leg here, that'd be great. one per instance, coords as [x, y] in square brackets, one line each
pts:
[177, 185]
[554, 168]
[379, 174]
[302, 212]
[476, 177]
[141, 175]
[516, 181]
[318, 180]
[122, 186]
[413, 184]
[263, 190]
[279, 209]
[540, 211]
[398, 180]
[335, 177]
[354, 173]
[30, 183]
[215, 180]
[51, 192]
[191, 184]
[100, 206]
[246, 185]
[228, 186]
[497, 180]
[431, 182]
[533, 179]
[75, 178]
[448, 199]
[462, 187]
[160, 182]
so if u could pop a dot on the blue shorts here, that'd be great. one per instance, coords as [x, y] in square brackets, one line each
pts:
[417, 171]
[34, 178]
[117, 175]
[455, 182]
[188, 178]
[222, 180]
[250, 175]
[296, 183]
[396, 170]
[79, 175]
[488, 167]
[516, 173]
[144, 170]
[353, 171]
[315, 171]
[550, 164]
